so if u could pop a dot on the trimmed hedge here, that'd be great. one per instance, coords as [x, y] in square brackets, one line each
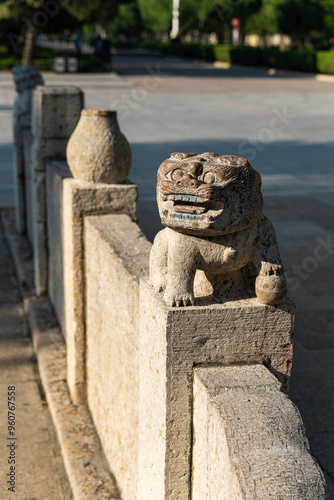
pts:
[291, 59]
[325, 62]
[222, 53]
[7, 63]
[85, 64]
[44, 60]
[294, 60]
[305, 61]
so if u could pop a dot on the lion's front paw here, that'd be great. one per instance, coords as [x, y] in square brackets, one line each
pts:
[179, 299]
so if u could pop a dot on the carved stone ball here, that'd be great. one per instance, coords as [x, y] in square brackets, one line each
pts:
[271, 289]
[97, 150]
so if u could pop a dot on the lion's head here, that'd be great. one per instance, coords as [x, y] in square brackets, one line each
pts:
[208, 194]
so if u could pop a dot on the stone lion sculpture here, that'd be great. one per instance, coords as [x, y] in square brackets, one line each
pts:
[212, 206]
[26, 78]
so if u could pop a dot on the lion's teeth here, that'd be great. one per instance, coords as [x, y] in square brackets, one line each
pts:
[187, 197]
[186, 216]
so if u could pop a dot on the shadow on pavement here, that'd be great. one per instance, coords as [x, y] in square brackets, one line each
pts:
[174, 66]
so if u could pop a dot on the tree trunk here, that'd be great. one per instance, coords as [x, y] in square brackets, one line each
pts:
[27, 54]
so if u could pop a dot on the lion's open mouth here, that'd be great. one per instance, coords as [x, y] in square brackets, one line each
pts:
[186, 206]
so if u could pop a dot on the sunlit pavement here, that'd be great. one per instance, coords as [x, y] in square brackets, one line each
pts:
[38, 455]
[283, 123]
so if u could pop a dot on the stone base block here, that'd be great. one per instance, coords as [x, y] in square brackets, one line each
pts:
[172, 342]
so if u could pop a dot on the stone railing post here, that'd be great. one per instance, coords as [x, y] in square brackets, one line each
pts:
[26, 78]
[55, 113]
[99, 158]
[211, 206]
[173, 342]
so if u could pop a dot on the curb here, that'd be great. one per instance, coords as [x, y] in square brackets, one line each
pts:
[320, 77]
[86, 466]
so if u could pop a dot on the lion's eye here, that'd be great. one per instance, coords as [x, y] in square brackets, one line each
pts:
[176, 174]
[209, 178]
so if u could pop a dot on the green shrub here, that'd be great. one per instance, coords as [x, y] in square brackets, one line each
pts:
[298, 60]
[273, 58]
[6, 63]
[44, 64]
[246, 55]
[222, 53]
[41, 52]
[325, 62]
[251, 56]
[305, 61]
[88, 65]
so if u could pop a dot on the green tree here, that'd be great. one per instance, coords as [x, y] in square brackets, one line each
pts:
[51, 16]
[30, 17]
[128, 23]
[302, 21]
[225, 10]
[156, 15]
[265, 21]
[189, 19]
[328, 19]
[97, 11]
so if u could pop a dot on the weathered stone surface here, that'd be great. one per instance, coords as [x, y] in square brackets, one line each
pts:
[26, 78]
[56, 172]
[249, 441]
[55, 113]
[79, 199]
[212, 207]
[116, 256]
[172, 342]
[97, 150]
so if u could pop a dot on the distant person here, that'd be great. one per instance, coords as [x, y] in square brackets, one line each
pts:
[99, 47]
[77, 42]
[102, 49]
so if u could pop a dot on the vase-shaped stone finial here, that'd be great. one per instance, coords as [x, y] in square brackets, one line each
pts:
[97, 150]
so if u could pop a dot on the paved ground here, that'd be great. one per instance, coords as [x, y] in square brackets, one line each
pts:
[39, 471]
[283, 124]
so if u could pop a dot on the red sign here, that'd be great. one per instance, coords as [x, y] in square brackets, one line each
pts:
[235, 22]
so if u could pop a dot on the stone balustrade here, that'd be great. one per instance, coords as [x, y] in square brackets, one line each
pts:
[189, 401]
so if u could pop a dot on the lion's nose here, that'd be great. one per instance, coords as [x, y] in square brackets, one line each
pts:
[187, 181]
